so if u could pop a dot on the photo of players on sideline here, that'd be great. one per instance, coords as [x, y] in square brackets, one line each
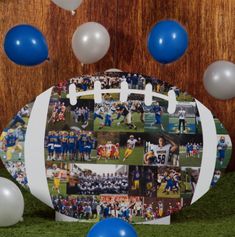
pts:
[191, 147]
[94, 179]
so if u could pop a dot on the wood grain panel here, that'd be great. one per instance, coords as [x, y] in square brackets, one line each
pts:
[210, 23]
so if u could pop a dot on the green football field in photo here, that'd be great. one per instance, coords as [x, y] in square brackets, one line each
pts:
[15, 155]
[150, 119]
[190, 125]
[122, 127]
[192, 161]
[228, 154]
[62, 188]
[161, 194]
[220, 129]
[136, 158]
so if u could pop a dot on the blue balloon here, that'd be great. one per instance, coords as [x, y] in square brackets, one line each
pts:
[167, 41]
[25, 45]
[112, 227]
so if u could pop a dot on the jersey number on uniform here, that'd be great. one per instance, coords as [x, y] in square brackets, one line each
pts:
[161, 159]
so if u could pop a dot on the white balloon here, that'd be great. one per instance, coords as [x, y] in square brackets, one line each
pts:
[11, 203]
[219, 80]
[91, 42]
[69, 5]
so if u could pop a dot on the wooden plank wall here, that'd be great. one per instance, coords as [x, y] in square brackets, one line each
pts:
[210, 23]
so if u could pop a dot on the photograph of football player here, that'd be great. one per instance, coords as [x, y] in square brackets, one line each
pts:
[161, 151]
[84, 83]
[168, 182]
[82, 115]
[182, 115]
[142, 181]
[108, 151]
[224, 149]
[21, 117]
[155, 208]
[138, 106]
[11, 147]
[93, 179]
[131, 143]
[216, 178]
[189, 178]
[61, 114]
[163, 87]
[70, 145]
[156, 116]
[118, 148]
[190, 151]
[56, 180]
[108, 147]
[58, 112]
[183, 121]
[119, 116]
[18, 172]
[57, 177]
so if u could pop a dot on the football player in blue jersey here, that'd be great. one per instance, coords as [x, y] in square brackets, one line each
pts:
[11, 144]
[72, 141]
[50, 145]
[157, 109]
[64, 143]
[222, 147]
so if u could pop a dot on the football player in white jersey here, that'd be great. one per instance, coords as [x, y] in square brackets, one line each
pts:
[131, 142]
[159, 154]
[99, 113]
[181, 116]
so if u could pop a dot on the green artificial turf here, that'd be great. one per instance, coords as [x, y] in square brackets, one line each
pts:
[212, 216]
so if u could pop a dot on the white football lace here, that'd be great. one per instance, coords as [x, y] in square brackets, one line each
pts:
[124, 92]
